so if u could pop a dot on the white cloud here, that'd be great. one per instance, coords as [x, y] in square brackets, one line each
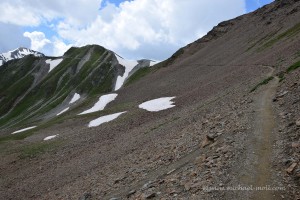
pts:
[38, 40]
[59, 47]
[138, 28]
[34, 12]
[17, 15]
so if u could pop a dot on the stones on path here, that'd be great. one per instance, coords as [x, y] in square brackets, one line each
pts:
[130, 193]
[280, 95]
[86, 196]
[209, 139]
[150, 195]
[291, 168]
[295, 144]
[298, 122]
[170, 172]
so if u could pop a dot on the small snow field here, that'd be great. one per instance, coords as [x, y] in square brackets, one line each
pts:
[101, 104]
[25, 129]
[50, 137]
[156, 105]
[129, 65]
[63, 111]
[153, 63]
[75, 98]
[53, 63]
[104, 119]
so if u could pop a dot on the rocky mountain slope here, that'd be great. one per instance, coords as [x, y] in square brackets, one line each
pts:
[217, 120]
[17, 54]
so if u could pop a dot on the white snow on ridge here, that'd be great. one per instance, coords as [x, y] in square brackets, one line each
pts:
[63, 111]
[25, 129]
[75, 98]
[153, 63]
[129, 65]
[53, 63]
[50, 137]
[156, 105]
[104, 119]
[7, 56]
[101, 104]
[17, 54]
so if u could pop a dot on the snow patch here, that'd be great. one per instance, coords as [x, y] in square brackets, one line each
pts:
[153, 63]
[101, 104]
[104, 119]
[75, 98]
[129, 65]
[159, 104]
[63, 111]
[53, 63]
[25, 129]
[50, 137]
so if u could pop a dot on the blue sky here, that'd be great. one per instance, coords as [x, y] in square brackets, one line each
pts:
[252, 5]
[116, 2]
[151, 29]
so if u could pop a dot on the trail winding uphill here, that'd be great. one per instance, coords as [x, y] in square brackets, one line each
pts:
[264, 133]
[256, 171]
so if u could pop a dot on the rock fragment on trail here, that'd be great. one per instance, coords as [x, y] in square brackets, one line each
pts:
[291, 168]
[207, 141]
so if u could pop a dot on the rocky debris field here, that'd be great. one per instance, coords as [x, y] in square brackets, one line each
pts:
[287, 103]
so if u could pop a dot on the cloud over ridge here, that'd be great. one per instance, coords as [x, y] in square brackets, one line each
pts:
[136, 29]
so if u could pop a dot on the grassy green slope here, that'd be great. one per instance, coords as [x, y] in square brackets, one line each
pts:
[94, 77]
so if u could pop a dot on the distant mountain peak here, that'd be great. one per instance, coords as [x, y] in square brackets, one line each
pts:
[17, 54]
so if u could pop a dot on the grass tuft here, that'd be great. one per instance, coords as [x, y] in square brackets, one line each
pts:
[140, 73]
[19, 136]
[293, 67]
[36, 149]
[289, 33]
[264, 82]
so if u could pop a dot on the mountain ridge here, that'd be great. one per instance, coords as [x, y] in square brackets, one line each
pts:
[18, 54]
[88, 70]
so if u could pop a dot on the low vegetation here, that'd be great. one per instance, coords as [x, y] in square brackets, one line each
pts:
[33, 150]
[95, 76]
[289, 33]
[265, 38]
[281, 76]
[19, 136]
[293, 67]
[140, 73]
[264, 82]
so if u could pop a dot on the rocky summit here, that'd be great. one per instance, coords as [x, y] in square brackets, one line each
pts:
[219, 119]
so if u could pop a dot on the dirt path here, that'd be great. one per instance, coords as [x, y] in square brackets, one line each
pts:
[253, 167]
[265, 124]
[256, 171]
